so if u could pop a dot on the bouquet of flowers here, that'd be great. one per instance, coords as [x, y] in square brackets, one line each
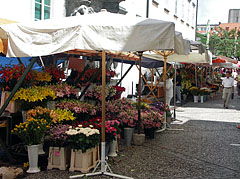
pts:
[63, 90]
[50, 116]
[83, 138]
[82, 110]
[96, 93]
[34, 96]
[128, 118]
[42, 77]
[11, 75]
[64, 116]
[151, 119]
[112, 129]
[57, 135]
[57, 74]
[194, 91]
[33, 130]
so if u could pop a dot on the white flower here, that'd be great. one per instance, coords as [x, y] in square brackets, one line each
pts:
[70, 127]
[79, 125]
[91, 126]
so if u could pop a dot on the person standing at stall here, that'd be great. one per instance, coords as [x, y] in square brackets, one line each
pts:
[228, 89]
[178, 86]
[169, 90]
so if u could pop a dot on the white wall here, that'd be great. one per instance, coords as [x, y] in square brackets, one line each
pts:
[23, 10]
[138, 7]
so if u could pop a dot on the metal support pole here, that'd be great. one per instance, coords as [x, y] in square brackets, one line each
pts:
[174, 92]
[124, 75]
[139, 93]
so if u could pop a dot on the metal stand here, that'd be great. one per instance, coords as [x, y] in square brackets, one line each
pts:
[104, 168]
[104, 165]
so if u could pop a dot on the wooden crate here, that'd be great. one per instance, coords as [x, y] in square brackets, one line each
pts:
[59, 157]
[12, 107]
[84, 162]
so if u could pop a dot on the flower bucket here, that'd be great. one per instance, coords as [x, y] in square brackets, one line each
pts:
[149, 132]
[138, 139]
[113, 148]
[24, 116]
[59, 157]
[51, 105]
[195, 98]
[128, 134]
[202, 99]
[33, 159]
[84, 162]
[40, 149]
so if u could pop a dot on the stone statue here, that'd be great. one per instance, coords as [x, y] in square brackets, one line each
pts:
[82, 10]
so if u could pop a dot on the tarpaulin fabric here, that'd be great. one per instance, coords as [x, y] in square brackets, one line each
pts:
[146, 62]
[6, 61]
[98, 31]
[192, 57]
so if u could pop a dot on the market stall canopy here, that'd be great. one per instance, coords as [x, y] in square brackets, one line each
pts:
[227, 59]
[3, 43]
[192, 57]
[226, 65]
[98, 31]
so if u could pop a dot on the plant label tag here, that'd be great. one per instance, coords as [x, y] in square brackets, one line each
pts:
[56, 153]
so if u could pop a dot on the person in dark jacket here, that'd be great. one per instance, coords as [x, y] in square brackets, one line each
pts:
[178, 86]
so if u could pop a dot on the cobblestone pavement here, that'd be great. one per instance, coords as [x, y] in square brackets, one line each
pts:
[207, 147]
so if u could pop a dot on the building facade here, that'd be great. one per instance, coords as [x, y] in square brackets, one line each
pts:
[181, 12]
[234, 16]
[30, 10]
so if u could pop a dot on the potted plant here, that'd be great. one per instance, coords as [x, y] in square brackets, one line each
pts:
[152, 120]
[31, 133]
[83, 142]
[195, 92]
[59, 153]
[129, 120]
[112, 131]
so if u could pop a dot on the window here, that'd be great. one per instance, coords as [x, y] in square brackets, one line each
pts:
[176, 7]
[183, 9]
[42, 9]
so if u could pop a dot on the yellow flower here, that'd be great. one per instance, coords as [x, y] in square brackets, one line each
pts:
[25, 165]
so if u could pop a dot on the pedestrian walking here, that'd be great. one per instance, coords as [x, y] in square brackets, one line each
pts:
[178, 86]
[169, 90]
[228, 89]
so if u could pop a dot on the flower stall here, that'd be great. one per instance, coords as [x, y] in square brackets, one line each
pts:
[126, 43]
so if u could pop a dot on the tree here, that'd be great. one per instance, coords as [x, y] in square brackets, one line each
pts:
[223, 42]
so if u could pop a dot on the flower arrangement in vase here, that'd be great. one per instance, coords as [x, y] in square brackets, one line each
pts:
[83, 138]
[194, 91]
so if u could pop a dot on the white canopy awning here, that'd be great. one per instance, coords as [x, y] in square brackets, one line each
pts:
[99, 31]
[192, 57]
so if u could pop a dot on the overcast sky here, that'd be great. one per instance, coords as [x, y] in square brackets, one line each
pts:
[215, 10]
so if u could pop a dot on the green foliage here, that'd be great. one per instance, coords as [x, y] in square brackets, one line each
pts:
[223, 42]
